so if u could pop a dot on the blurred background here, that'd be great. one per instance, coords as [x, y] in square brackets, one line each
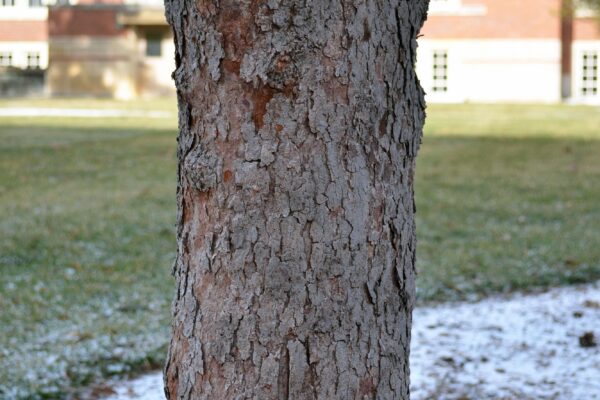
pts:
[507, 188]
[112, 49]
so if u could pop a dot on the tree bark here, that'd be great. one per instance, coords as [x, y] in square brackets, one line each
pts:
[299, 126]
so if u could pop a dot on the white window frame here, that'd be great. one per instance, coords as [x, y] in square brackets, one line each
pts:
[34, 55]
[590, 63]
[439, 81]
[6, 59]
[20, 10]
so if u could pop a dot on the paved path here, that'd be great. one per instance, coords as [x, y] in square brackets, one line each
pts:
[80, 112]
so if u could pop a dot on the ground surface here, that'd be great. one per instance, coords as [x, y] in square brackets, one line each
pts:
[507, 199]
[86, 228]
[522, 347]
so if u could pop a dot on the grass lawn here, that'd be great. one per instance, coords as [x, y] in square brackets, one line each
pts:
[508, 198]
[86, 221]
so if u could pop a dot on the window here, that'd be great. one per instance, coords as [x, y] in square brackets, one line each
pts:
[33, 60]
[7, 3]
[5, 59]
[589, 83]
[440, 71]
[153, 45]
[35, 3]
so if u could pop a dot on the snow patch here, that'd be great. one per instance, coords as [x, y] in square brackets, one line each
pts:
[148, 387]
[520, 347]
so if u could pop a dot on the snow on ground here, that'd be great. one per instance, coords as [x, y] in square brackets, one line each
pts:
[79, 112]
[147, 387]
[520, 347]
[523, 347]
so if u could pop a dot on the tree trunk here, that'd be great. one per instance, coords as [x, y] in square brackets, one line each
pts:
[299, 126]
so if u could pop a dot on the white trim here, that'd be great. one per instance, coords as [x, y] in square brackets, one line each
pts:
[23, 13]
[455, 8]
[20, 50]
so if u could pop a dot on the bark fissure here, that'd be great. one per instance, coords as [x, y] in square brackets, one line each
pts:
[299, 126]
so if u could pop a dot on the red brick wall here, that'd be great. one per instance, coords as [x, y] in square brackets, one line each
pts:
[23, 31]
[586, 29]
[76, 21]
[505, 19]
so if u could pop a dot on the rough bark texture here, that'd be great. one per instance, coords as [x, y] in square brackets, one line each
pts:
[299, 125]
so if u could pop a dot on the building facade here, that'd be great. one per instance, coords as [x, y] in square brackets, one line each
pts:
[23, 34]
[508, 51]
[469, 50]
[109, 49]
[23, 47]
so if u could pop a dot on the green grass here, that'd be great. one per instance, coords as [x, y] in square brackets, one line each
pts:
[86, 220]
[507, 198]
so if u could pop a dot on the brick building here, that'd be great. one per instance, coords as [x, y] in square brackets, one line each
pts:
[23, 34]
[509, 51]
[23, 47]
[470, 50]
[110, 48]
